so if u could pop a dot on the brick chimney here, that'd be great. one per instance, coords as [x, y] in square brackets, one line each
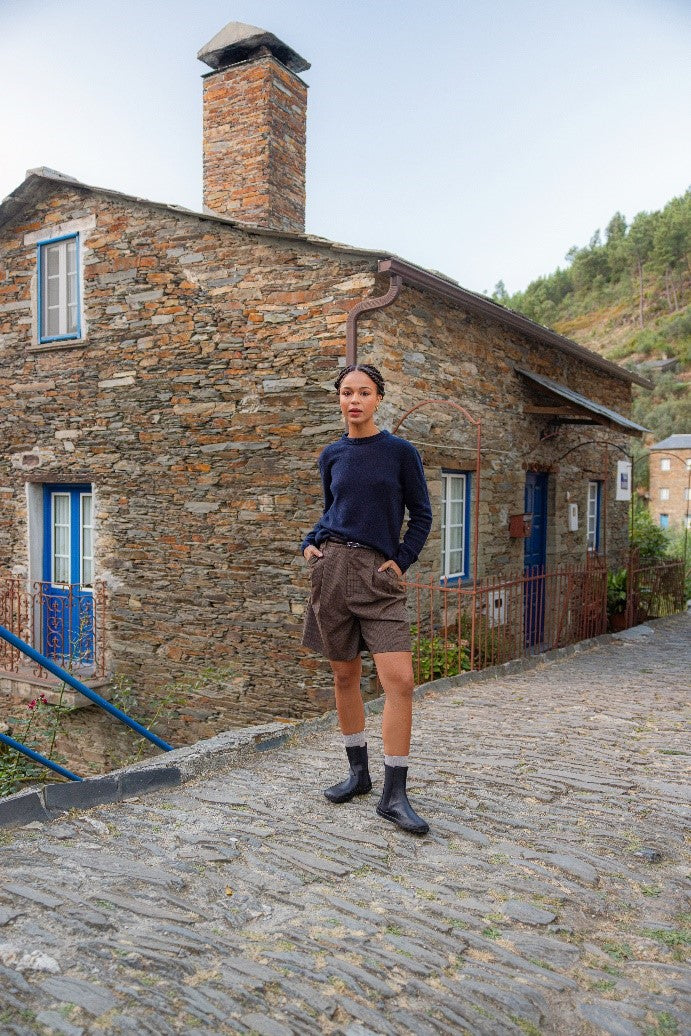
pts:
[255, 108]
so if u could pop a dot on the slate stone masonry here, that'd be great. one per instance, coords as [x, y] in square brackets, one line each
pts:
[197, 405]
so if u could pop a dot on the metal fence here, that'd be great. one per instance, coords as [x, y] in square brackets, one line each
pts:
[65, 623]
[457, 628]
[655, 589]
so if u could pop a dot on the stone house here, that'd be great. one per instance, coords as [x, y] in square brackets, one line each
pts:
[166, 383]
[669, 498]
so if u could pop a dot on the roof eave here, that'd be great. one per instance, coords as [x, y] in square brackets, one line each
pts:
[416, 276]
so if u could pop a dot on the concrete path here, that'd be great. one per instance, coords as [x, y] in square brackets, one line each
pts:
[550, 896]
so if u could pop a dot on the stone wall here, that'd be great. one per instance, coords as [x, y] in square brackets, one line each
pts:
[197, 405]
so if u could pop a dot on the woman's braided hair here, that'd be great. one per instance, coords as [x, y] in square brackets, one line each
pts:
[367, 368]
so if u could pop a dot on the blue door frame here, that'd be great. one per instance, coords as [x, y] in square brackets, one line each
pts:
[535, 557]
[67, 607]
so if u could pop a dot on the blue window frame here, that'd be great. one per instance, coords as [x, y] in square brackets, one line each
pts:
[59, 293]
[593, 515]
[455, 525]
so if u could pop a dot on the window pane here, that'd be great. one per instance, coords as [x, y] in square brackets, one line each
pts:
[52, 259]
[61, 538]
[456, 512]
[456, 538]
[61, 508]
[62, 569]
[86, 566]
[71, 303]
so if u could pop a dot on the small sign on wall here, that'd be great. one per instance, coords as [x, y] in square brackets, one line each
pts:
[623, 480]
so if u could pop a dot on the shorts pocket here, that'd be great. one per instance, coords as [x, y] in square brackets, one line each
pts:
[388, 581]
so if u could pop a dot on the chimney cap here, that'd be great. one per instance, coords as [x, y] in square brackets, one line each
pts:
[237, 42]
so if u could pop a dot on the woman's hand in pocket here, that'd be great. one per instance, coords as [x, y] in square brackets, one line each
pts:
[312, 552]
[391, 565]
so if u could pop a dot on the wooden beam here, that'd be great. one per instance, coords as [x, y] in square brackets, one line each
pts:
[583, 420]
[548, 411]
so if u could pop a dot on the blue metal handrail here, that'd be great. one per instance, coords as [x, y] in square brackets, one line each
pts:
[77, 685]
[38, 758]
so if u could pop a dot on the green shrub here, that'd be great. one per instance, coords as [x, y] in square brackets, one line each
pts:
[649, 538]
[434, 658]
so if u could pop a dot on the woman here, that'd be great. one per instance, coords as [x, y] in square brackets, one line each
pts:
[369, 478]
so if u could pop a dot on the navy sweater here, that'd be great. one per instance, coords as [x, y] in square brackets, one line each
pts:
[368, 484]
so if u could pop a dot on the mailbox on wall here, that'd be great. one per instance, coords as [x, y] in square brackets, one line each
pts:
[520, 525]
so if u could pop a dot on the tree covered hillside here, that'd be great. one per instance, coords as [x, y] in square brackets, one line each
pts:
[626, 295]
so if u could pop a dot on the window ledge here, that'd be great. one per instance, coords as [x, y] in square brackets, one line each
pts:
[455, 581]
[67, 343]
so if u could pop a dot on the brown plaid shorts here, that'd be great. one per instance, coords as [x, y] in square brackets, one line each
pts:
[354, 607]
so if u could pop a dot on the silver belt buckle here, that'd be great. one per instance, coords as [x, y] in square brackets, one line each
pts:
[353, 543]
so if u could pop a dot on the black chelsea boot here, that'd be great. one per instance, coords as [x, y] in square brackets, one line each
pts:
[358, 780]
[393, 804]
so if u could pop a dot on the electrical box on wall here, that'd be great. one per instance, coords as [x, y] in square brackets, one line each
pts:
[493, 607]
[573, 517]
[520, 525]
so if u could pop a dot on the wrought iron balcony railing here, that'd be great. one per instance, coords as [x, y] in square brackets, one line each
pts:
[65, 623]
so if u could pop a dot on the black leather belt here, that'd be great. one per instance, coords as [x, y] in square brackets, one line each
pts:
[344, 542]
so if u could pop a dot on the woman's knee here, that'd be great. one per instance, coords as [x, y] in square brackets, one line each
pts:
[346, 676]
[400, 689]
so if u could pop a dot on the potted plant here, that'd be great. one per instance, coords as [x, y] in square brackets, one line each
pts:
[616, 600]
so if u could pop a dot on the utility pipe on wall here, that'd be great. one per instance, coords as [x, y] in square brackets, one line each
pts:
[364, 307]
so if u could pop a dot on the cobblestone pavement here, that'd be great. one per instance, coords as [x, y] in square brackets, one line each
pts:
[549, 897]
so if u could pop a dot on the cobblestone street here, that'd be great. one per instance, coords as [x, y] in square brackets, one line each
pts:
[550, 896]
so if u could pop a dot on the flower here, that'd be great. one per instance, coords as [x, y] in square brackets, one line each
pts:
[32, 705]
[43, 699]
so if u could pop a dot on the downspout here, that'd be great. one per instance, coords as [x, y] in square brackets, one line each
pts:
[364, 307]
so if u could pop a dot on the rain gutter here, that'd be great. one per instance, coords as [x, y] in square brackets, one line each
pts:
[416, 277]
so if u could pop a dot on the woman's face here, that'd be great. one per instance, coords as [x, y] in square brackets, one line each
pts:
[359, 399]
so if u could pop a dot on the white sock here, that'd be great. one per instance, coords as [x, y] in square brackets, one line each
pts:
[355, 740]
[395, 760]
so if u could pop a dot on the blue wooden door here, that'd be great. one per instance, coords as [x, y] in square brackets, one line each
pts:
[535, 557]
[67, 608]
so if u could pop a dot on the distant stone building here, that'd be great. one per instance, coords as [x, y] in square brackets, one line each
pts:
[166, 382]
[670, 481]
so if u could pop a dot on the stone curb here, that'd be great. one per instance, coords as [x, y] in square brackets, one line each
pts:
[231, 747]
[165, 771]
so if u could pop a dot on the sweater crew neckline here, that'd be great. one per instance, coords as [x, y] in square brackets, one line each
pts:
[364, 440]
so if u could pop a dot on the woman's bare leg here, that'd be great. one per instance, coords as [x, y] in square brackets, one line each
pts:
[351, 719]
[349, 705]
[395, 670]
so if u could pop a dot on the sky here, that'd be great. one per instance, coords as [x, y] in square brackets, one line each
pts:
[479, 138]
